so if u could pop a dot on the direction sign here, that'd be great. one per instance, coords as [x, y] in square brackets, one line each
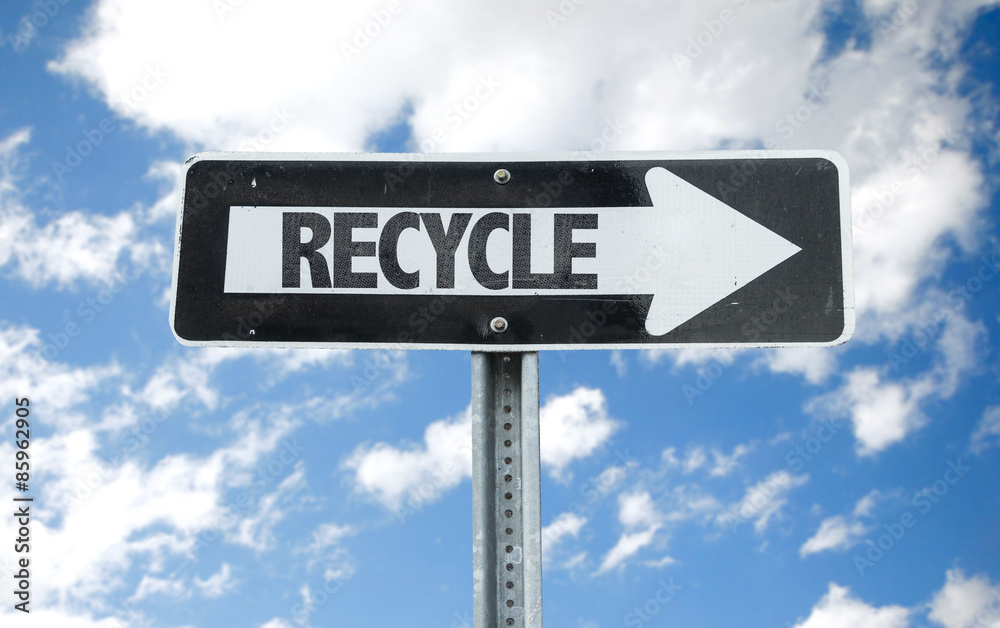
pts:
[514, 251]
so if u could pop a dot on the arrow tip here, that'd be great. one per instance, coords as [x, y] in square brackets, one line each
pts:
[710, 251]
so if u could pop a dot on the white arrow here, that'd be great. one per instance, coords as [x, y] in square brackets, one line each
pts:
[689, 251]
[709, 250]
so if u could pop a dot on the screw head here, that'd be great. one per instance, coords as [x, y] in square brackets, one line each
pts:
[501, 176]
[499, 324]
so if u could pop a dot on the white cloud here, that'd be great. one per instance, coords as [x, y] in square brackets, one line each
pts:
[167, 508]
[885, 412]
[724, 465]
[533, 85]
[635, 510]
[608, 479]
[169, 203]
[575, 561]
[59, 617]
[905, 245]
[816, 365]
[618, 361]
[835, 533]
[694, 459]
[573, 426]
[628, 545]
[690, 356]
[690, 502]
[256, 530]
[25, 370]
[218, 584]
[762, 502]
[697, 458]
[660, 564]
[839, 608]
[75, 246]
[565, 525]
[326, 549]
[987, 433]
[327, 535]
[190, 374]
[964, 601]
[151, 585]
[415, 474]
[638, 510]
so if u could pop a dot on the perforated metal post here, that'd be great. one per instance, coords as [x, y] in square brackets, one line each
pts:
[506, 491]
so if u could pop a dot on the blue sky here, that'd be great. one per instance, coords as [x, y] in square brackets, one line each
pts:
[207, 487]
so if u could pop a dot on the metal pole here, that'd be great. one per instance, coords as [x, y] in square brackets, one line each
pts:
[506, 491]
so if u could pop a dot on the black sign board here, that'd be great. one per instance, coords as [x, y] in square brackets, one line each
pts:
[516, 252]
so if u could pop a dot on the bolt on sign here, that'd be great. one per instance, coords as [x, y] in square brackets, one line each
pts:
[514, 252]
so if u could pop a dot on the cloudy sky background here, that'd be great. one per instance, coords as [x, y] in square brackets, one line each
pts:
[187, 487]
